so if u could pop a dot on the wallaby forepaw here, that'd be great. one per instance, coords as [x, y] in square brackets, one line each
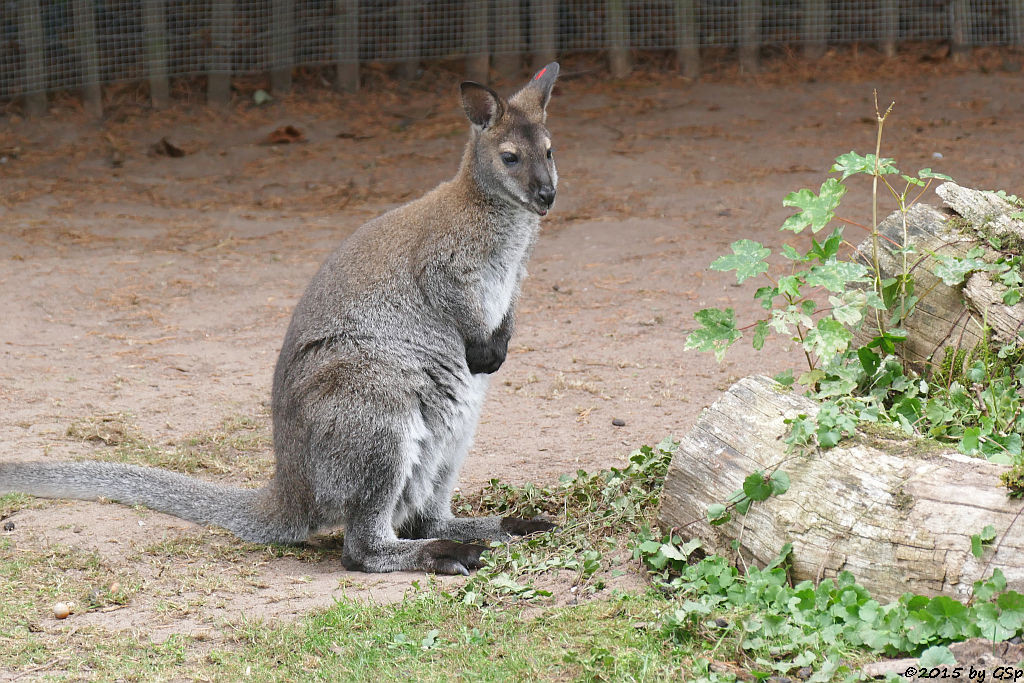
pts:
[517, 526]
[451, 557]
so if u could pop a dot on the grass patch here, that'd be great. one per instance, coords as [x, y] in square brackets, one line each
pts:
[431, 637]
[539, 609]
[31, 582]
[12, 502]
[239, 447]
[427, 637]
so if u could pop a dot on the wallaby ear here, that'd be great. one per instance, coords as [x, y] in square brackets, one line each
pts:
[483, 106]
[534, 96]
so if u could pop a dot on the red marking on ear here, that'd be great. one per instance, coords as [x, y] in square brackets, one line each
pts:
[539, 74]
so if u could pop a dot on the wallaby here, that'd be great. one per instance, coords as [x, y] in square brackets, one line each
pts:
[380, 380]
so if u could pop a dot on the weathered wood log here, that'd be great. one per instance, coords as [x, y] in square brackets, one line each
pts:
[939, 321]
[897, 513]
[985, 211]
[949, 322]
[986, 297]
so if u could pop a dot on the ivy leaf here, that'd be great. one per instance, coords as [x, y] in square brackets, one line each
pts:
[760, 334]
[954, 270]
[1011, 606]
[969, 441]
[869, 360]
[938, 655]
[756, 487]
[852, 163]
[766, 295]
[828, 438]
[836, 275]
[718, 514]
[743, 504]
[789, 285]
[929, 173]
[990, 625]
[816, 210]
[827, 338]
[747, 259]
[888, 340]
[780, 482]
[828, 249]
[976, 549]
[785, 378]
[951, 616]
[717, 331]
[784, 553]
[792, 254]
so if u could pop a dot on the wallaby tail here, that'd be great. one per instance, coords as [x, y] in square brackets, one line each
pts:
[248, 513]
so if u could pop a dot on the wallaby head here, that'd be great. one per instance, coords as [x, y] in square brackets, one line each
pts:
[509, 151]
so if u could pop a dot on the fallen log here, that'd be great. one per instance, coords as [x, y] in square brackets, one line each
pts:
[950, 321]
[897, 513]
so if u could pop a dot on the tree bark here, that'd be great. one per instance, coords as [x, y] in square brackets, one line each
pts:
[949, 319]
[897, 513]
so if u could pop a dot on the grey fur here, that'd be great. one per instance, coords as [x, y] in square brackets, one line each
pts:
[382, 374]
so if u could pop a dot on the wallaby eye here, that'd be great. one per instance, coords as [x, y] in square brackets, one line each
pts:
[509, 158]
[551, 153]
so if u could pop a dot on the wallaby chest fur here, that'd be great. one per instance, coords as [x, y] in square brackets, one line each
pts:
[382, 374]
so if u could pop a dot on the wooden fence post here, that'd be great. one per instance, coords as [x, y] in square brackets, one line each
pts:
[88, 57]
[544, 32]
[508, 39]
[960, 30]
[154, 26]
[1017, 16]
[750, 35]
[814, 27]
[617, 28]
[282, 45]
[346, 45]
[218, 79]
[30, 36]
[478, 58]
[687, 39]
[890, 19]
[409, 16]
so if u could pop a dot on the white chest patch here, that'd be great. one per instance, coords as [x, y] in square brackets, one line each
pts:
[500, 280]
[498, 288]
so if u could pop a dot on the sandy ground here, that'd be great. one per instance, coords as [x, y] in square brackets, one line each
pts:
[158, 289]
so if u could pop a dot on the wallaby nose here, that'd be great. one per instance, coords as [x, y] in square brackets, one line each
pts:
[547, 195]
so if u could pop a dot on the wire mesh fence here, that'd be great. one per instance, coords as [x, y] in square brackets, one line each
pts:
[50, 45]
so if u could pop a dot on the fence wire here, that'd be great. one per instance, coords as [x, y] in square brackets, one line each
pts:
[50, 45]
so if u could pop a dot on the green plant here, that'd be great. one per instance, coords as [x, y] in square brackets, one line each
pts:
[598, 512]
[832, 290]
[778, 628]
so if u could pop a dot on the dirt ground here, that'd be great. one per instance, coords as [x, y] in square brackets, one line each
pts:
[154, 291]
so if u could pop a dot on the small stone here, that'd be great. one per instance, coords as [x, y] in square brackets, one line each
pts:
[721, 623]
[8, 525]
[618, 422]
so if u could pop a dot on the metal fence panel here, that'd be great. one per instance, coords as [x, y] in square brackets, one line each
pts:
[50, 45]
